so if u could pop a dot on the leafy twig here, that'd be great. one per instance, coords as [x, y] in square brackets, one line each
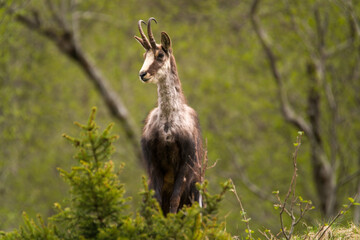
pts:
[243, 213]
[291, 200]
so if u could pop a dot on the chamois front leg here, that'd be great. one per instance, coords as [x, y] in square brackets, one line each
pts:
[179, 187]
[156, 178]
[156, 183]
[185, 174]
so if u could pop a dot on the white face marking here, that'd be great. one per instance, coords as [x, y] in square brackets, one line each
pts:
[149, 59]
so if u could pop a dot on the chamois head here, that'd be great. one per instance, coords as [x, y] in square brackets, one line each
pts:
[157, 56]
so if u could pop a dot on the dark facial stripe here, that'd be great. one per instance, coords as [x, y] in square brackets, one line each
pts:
[154, 67]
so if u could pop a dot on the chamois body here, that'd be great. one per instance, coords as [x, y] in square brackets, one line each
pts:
[171, 139]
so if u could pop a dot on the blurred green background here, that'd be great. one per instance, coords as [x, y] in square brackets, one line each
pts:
[226, 78]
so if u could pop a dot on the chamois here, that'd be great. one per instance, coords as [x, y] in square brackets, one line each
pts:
[171, 139]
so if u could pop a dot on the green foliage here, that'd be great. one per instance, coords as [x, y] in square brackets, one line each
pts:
[97, 203]
[32, 230]
[189, 223]
[96, 193]
[225, 77]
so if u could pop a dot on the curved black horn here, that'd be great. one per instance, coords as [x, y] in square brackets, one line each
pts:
[143, 36]
[151, 36]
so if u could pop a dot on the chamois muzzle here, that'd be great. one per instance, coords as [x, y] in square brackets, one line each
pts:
[142, 76]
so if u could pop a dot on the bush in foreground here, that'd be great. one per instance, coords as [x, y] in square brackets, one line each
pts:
[97, 203]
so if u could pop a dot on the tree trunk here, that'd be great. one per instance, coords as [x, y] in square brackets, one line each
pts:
[325, 181]
[323, 172]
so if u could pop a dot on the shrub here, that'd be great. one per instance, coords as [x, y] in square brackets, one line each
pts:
[96, 208]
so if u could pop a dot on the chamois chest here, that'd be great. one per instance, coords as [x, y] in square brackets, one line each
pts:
[168, 127]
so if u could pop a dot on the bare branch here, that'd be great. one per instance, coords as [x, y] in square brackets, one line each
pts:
[254, 188]
[287, 111]
[64, 39]
[251, 186]
[330, 52]
[348, 179]
[354, 18]
[59, 20]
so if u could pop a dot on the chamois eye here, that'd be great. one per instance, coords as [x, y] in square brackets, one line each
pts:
[160, 56]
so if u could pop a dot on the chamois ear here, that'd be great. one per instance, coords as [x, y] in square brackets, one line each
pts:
[165, 41]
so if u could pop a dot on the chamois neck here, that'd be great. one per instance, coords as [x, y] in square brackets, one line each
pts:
[170, 96]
